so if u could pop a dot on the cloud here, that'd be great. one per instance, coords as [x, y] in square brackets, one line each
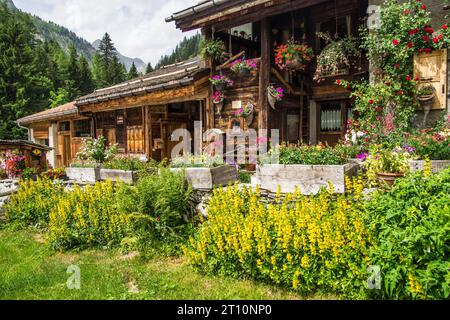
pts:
[137, 27]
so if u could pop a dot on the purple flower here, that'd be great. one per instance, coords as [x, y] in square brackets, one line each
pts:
[362, 156]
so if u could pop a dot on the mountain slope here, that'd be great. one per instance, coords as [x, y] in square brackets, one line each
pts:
[10, 4]
[64, 37]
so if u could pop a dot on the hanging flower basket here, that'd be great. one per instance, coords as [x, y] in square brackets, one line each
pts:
[221, 82]
[293, 56]
[243, 66]
[247, 113]
[274, 94]
[218, 101]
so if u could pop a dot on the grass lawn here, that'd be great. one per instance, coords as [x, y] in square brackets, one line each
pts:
[29, 270]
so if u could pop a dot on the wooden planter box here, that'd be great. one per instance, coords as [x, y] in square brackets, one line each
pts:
[209, 178]
[90, 175]
[129, 177]
[436, 165]
[307, 178]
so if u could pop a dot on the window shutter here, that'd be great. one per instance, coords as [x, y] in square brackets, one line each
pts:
[431, 69]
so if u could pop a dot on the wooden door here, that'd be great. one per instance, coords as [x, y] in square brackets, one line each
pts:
[431, 69]
[64, 150]
[167, 130]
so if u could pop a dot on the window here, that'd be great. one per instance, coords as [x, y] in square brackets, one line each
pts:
[330, 117]
[64, 126]
[82, 128]
[245, 31]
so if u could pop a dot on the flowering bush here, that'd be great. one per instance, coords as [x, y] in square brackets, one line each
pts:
[89, 217]
[304, 243]
[293, 53]
[243, 65]
[311, 155]
[429, 144]
[96, 150]
[404, 31]
[335, 56]
[276, 92]
[54, 174]
[221, 80]
[33, 201]
[13, 163]
[217, 97]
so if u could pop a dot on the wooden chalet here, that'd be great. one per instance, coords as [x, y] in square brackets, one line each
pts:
[141, 114]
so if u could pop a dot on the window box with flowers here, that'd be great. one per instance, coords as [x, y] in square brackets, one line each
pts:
[243, 66]
[293, 56]
[275, 94]
[218, 101]
[247, 112]
[307, 169]
[205, 172]
[221, 82]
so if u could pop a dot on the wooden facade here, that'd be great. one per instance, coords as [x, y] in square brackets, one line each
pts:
[141, 114]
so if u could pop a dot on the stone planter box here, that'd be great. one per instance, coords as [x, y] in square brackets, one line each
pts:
[308, 179]
[90, 175]
[209, 178]
[129, 177]
[436, 165]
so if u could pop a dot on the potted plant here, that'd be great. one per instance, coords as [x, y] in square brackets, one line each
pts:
[425, 96]
[243, 66]
[247, 112]
[274, 94]
[212, 50]
[293, 56]
[334, 58]
[386, 165]
[221, 82]
[218, 101]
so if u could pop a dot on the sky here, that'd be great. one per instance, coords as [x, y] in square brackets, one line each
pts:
[137, 27]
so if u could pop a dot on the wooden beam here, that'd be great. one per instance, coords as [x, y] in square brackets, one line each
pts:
[227, 63]
[264, 74]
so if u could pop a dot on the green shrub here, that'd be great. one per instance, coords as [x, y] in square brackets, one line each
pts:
[308, 244]
[128, 164]
[33, 202]
[411, 227]
[90, 217]
[164, 196]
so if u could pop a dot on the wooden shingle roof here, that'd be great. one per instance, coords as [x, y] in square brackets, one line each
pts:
[167, 77]
[68, 109]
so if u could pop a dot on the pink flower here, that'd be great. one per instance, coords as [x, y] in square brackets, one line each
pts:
[395, 42]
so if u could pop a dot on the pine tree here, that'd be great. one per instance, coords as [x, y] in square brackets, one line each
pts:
[72, 81]
[108, 70]
[149, 68]
[133, 73]
[23, 90]
[86, 83]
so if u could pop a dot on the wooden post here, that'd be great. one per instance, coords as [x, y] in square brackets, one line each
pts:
[264, 75]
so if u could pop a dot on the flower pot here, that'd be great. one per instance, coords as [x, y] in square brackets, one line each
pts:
[272, 100]
[219, 107]
[220, 86]
[389, 178]
[244, 72]
[295, 65]
[250, 118]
